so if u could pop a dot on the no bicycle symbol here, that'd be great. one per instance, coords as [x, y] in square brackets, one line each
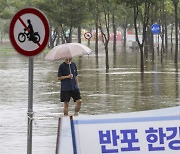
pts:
[29, 31]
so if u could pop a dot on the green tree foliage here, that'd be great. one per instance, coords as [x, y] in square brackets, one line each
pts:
[5, 9]
[67, 14]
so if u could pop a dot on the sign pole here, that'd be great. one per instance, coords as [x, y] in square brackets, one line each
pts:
[34, 21]
[156, 29]
[30, 105]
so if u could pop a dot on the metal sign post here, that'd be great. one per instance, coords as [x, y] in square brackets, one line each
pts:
[156, 29]
[30, 105]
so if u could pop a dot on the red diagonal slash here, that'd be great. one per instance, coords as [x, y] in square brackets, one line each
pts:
[22, 22]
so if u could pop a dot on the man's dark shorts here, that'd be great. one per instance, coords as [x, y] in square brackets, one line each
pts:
[65, 96]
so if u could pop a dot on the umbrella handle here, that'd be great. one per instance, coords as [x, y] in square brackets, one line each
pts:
[70, 68]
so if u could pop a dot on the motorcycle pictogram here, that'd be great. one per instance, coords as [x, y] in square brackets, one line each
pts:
[29, 33]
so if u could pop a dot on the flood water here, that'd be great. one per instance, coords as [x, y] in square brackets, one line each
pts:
[121, 89]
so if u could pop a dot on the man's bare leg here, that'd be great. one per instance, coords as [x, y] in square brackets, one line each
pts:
[77, 107]
[66, 105]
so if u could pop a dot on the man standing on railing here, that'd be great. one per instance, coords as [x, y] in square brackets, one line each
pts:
[67, 74]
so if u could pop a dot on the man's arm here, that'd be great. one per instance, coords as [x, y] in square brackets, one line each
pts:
[70, 76]
[62, 77]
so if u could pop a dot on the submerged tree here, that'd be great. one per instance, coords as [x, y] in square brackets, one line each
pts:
[175, 3]
[94, 11]
[141, 12]
[65, 15]
[105, 20]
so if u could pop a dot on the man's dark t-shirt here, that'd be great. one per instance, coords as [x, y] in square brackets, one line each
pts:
[64, 70]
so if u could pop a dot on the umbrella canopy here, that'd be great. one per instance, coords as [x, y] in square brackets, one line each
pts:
[67, 51]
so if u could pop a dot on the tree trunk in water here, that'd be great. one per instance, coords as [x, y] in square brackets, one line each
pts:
[162, 45]
[62, 38]
[172, 27]
[96, 37]
[142, 57]
[176, 29]
[147, 43]
[69, 39]
[124, 36]
[1, 39]
[175, 2]
[146, 49]
[51, 40]
[58, 38]
[96, 24]
[145, 25]
[164, 31]
[107, 57]
[166, 35]
[114, 31]
[79, 34]
[152, 45]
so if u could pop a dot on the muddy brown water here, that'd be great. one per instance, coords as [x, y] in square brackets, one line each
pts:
[121, 89]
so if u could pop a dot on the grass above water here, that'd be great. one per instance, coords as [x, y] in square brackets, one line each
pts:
[6, 48]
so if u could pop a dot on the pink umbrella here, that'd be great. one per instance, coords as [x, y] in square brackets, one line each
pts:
[67, 51]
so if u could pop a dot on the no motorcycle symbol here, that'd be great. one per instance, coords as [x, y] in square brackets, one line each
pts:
[29, 31]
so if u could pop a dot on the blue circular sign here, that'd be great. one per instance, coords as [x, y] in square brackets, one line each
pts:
[155, 28]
